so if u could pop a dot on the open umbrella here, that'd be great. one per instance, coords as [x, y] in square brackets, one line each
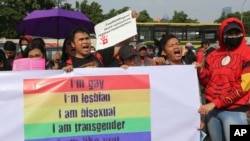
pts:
[54, 23]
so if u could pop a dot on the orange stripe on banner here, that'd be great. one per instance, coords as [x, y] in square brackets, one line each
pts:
[86, 83]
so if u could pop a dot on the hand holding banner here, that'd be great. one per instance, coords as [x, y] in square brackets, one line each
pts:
[101, 104]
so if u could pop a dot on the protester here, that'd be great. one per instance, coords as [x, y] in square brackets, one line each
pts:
[172, 47]
[116, 62]
[142, 58]
[10, 51]
[23, 43]
[150, 51]
[55, 62]
[4, 64]
[36, 49]
[200, 53]
[173, 50]
[80, 40]
[208, 51]
[225, 76]
[190, 46]
[127, 56]
[67, 52]
[189, 53]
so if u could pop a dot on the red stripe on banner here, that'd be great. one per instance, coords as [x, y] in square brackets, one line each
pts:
[85, 83]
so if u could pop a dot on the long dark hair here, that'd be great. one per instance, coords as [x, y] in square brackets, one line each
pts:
[65, 55]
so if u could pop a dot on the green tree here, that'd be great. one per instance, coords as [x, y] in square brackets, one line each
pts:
[92, 11]
[246, 21]
[182, 17]
[13, 11]
[77, 6]
[224, 16]
[114, 12]
[124, 9]
[67, 6]
[144, 17]
[110, 14]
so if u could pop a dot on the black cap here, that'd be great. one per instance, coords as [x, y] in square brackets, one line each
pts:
[232, 25]
[127, 51]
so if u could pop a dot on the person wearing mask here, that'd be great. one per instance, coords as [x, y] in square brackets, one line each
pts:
[225, 76]
[23, 43]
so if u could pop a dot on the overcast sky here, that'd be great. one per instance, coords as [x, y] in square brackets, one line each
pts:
[203, 10]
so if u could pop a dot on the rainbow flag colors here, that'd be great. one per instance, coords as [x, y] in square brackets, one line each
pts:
[87, 108]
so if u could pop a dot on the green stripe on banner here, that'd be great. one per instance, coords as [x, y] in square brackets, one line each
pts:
[63, 129]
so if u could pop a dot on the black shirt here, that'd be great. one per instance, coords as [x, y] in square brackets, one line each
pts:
[100, 58]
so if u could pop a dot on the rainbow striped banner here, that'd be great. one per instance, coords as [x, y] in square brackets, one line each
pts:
[88, 108]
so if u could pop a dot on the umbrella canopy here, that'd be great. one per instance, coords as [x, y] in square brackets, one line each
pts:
[54, 23]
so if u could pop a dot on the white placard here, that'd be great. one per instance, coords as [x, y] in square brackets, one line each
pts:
[115, 30]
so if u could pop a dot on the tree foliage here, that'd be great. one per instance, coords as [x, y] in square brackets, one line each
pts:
[224, 16]
[13, 11]
[182, 17]
[113, 12]
[93, 11]
[144, 17]
[67, 6]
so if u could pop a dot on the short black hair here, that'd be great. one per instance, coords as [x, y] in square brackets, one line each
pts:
[77, 30]
[9, 45]
[205, 42]
[166, 39]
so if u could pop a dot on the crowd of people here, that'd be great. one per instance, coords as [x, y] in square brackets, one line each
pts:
[223, 71]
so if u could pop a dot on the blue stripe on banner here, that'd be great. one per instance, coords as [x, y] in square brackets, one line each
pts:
[139, 136]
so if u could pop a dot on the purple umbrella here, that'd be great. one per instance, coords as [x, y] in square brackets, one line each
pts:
[54, 23]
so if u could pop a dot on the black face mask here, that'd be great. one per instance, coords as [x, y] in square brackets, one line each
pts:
[232, 43]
